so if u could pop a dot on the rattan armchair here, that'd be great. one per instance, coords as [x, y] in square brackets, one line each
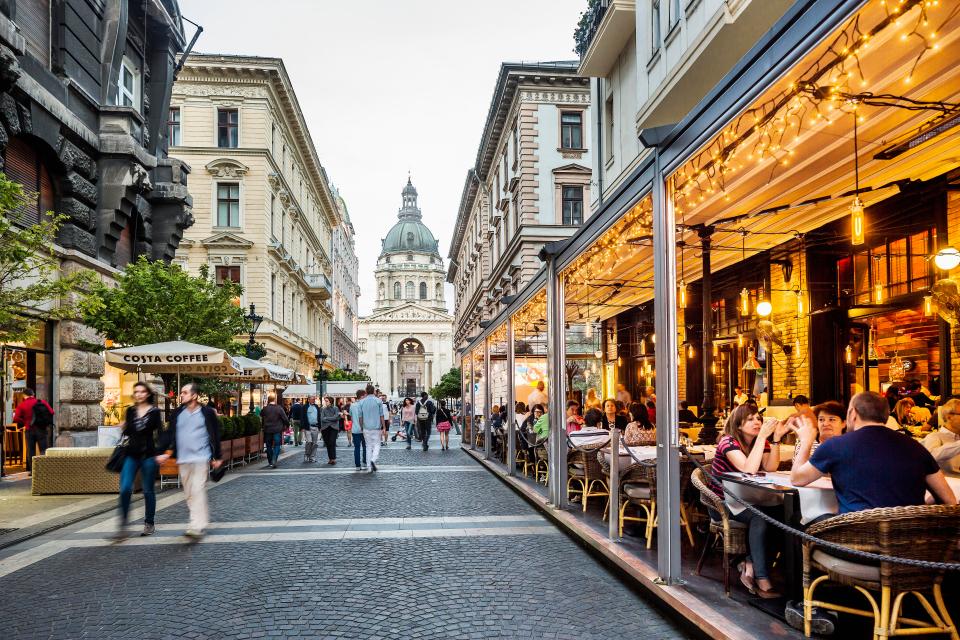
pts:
[638, 487]
[585, 476]
[541, 469]
[731, 533]
[928, 532]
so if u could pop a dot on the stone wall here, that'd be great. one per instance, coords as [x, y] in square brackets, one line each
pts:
[80, 385]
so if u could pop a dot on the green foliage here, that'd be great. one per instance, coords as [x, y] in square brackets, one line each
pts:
[251, 424]
[30, 276]
[226, 428]
[584, 24]
[449, 385]
[339, 375]
[254, 351]
[160, 302]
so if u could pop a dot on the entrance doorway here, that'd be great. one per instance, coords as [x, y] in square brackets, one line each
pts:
[411, 359]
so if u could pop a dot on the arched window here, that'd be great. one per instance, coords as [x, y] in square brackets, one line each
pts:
[396, 290]
[423, 290]
[410, 291]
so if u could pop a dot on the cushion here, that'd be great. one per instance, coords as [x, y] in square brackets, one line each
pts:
[79, 452]
[846, 568]
[639, 491]
[576, 472]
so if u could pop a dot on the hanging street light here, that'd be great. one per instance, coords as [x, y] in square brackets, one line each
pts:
[947, 258]
[321, 358]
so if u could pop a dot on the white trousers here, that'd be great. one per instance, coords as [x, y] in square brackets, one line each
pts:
[372, 438]
[193, 478]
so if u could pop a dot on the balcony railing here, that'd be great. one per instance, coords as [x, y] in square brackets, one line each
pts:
[318, 286]
[587, 27]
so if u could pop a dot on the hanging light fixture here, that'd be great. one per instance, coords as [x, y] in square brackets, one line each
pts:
[764, 307]
[928, 306]
[947, 258]
[682, 294]
[691, 353]
[878, 293]
[588, 330]
[799, 302]
[858, 224]
[653, 338]
[740, 340]
[744, 302]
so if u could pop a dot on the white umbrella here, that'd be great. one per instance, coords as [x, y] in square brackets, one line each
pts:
[256, 371]
[177, 357]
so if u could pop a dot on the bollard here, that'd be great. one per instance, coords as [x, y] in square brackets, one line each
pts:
[614, 509]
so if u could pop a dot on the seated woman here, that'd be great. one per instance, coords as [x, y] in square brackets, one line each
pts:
[574, 421]
[901, 412]
[831, 421]
[612, 416]
[639, 431]
[593, 419]
[528, 429]
[744, 447]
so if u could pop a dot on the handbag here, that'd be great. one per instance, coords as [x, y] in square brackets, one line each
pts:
[118, 457]
[217, 474]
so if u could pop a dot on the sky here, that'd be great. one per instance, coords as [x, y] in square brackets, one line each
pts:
[390, 87]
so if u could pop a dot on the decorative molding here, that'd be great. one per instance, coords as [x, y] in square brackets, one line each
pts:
[225, 90]
[552, 97]
[226, 240]
[227, 168]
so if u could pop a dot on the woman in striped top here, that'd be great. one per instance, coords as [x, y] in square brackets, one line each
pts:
[744, 447]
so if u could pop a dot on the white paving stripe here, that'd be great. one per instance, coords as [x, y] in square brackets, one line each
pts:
[352, 471]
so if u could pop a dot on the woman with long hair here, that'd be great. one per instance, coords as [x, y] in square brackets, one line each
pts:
[612, 417]
[744, 447]
[329, 424]
[140, 426]
[901, 411]
[408, 419]
[640, 430]
[444, 422]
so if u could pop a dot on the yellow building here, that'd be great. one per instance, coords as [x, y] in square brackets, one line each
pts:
[262, 201]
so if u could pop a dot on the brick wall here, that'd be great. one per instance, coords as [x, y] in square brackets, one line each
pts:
[790, 372]
[953, 240]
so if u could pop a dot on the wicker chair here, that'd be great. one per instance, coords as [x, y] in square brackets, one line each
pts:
[524, 461]
[731, 533]
[585, 472]
[918, 532]
[542, 466]
[638, 487]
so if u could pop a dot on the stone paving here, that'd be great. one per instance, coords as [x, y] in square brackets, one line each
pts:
[432, 547]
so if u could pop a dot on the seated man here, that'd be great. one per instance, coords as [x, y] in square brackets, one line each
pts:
[685, 414]
[944, 443]
[871, 466]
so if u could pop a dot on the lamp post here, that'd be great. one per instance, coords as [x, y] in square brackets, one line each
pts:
[321, 358]
[254, 319]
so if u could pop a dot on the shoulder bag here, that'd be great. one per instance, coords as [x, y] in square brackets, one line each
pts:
[119, 456]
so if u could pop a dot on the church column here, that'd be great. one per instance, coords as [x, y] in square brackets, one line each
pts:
[393, 378]
[429, 381]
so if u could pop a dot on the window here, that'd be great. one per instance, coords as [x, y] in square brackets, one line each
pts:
[228, 128]
[228, 274]
[655, 25]
[396, 290]
[409, 291]
[228, 204]
[516, 143]
[283, 306]
[273, 297]
[33, 20]
[423, 290]
[573, 205]
[128, 85]
[273, 215]
[23, 166]
[608, 129]
[571, 129]
[673, 12]
[173, 127]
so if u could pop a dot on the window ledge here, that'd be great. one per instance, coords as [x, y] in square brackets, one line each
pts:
[672, 34]
[608, 163]
[571, 149]
[654, 59]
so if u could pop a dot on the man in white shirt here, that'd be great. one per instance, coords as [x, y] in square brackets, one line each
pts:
[370, 412]
[537, 396]
[740, 398]
[944, 443]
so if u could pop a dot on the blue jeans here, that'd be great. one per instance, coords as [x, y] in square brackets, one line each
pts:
[273, 441]
[148, 472]
[409, 429]
[358, 443]
[756, 538]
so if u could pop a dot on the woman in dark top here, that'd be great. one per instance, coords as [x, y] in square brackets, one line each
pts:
[275, 421]
[612, 417]
[141, 425]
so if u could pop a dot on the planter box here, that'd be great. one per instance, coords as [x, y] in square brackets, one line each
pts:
[250, 445]
[226, 451]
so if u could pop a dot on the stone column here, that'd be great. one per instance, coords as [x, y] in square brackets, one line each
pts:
[79, 385]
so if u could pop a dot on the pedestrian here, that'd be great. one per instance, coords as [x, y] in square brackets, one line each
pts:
[35, 416]
[408, 417]
[297, 419]
[141, 425]
[194, 440]
[329, 423]
[385, 410]
[356, 418]
[310, 428]
[275, 421]
[444, 422]
[370, 412]
[425, 411]
[347, 422]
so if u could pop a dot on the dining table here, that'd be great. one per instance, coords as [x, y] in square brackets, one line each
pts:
[588, 436]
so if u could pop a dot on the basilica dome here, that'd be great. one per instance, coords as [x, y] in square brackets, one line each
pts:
[409, 234]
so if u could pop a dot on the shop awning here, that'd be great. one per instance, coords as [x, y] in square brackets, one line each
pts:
[256, 371]
[174, 357]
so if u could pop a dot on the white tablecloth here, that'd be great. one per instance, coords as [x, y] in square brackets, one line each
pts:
[599, 436]
[641, 453]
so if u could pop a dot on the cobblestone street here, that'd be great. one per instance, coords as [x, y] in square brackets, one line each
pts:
[432, 546]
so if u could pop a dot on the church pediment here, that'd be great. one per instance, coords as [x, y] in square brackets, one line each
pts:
[573, 168]
[409, 312]
[226, 240]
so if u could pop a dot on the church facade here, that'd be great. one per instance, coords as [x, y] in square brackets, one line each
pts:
[406, 343]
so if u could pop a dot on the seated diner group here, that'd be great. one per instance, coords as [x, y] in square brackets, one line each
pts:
[852, 459]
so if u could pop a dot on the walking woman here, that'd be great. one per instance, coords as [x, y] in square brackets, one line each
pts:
[329, 425]
[275, 422]
[444, 422]
[141, 425]
[409, 419]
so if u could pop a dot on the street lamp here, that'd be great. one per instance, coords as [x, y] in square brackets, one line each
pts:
[321, 358]
[254, 319]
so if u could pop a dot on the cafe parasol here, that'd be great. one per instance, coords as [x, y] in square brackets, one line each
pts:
[177, 357]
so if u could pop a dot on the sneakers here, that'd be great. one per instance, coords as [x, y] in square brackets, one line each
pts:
[193, 534]
[822, 623]
[408, 447]
[373, 467]
[148, 530]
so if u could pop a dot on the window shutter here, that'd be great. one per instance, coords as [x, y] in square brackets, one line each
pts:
[21, 167]
[33, 18]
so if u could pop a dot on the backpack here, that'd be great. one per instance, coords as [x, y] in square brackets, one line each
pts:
[42, 416]
[422, 412]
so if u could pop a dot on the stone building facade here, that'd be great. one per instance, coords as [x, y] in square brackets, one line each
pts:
[346, 290]
[530, 185]
[405, 344]
[265, 213]
[84, 91]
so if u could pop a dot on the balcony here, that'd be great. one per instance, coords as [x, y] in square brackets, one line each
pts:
[318, 286]
[604, 30]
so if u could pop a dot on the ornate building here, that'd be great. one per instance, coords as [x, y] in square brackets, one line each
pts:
[406, 344]
[265, 213]
[346, 290]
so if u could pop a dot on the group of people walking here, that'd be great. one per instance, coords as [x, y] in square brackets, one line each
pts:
[193, 440]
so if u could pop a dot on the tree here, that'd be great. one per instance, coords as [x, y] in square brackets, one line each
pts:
[30, 278]
[449, 385]
[339, 375]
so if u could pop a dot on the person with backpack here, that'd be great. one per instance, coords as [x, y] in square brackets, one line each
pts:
[36, 417]
[424, 410]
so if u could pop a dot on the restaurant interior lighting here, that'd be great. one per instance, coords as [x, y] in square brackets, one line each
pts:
[713, 368]
[848, 354]
[740, 340]
[799, 302]
[744, 302]
[947, 258]
[598, 354]
[682, 294]
[878, 293]
[764, 308]
[858, 233]
[928, 306]
[691, 353]
[588, 330]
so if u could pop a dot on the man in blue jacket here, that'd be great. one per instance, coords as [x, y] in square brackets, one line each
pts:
[298, 417]
[193, 439]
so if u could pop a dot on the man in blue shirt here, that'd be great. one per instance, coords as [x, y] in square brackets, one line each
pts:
[370, 413]
[356, 431]
[871, 466]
